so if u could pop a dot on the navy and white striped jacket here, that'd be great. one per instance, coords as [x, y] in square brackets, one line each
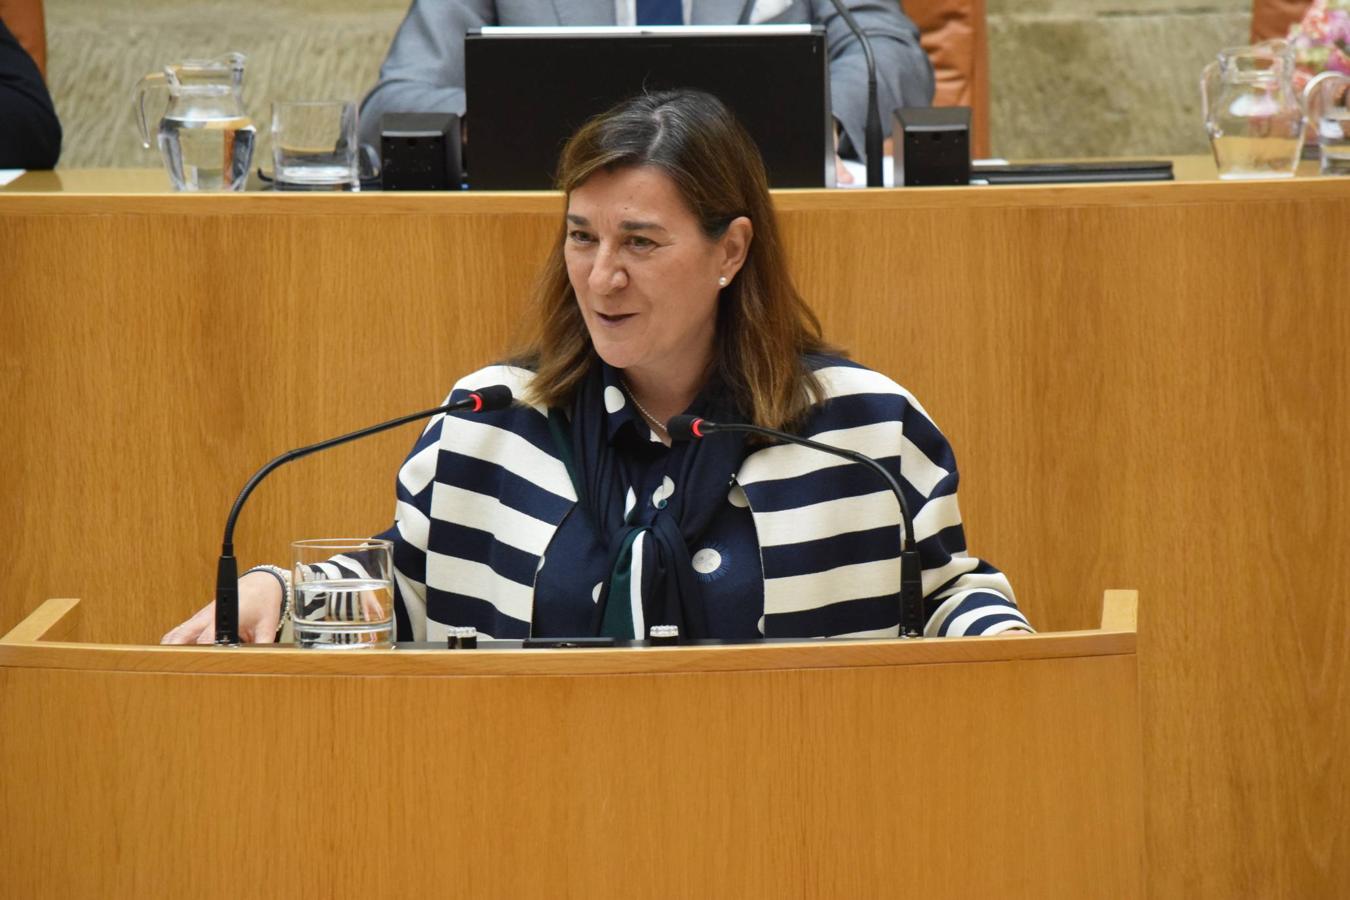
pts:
[480, 498]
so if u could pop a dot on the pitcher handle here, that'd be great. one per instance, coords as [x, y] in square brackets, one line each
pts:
[153, 81]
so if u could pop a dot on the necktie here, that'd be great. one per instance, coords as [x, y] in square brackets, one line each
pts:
[660, 12]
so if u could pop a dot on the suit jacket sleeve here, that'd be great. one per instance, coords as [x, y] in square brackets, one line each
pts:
[904, 73]
[424, 71]
[30, 133]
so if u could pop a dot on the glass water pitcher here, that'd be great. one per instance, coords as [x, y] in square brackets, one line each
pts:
[205, 137]
[1252, 111]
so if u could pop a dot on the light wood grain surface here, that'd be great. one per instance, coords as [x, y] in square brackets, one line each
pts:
[1146, 386]
[998, 767]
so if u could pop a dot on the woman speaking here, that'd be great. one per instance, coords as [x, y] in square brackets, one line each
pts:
[572, 513]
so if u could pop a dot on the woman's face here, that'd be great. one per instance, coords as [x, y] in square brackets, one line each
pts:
[645, 274]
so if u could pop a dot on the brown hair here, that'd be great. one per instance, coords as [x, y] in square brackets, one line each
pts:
[763, 325]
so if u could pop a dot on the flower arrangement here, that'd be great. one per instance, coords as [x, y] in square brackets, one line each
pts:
[1321, 41]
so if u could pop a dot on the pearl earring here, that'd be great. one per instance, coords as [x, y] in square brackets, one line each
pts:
[722, 282]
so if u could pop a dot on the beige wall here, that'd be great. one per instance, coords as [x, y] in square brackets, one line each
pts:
[1100, 77]
[1069, 77]
[297, 49]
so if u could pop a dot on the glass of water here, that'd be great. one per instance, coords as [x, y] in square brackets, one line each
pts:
[344, 592]
[314, 145]
[1328, 101]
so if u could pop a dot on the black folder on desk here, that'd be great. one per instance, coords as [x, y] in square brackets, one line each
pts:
[1072, 172]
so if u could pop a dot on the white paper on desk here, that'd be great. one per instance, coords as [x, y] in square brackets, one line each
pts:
[8, 175]
[859, 173]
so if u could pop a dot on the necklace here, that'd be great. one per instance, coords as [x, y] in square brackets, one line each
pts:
[651, 419]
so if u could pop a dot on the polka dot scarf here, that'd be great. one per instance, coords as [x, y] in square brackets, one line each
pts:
[653, 557]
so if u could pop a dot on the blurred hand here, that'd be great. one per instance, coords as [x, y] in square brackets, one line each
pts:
[841, 173]
[259, 611]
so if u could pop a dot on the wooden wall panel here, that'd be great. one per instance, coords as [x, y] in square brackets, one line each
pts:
[1146, 387]
[758, 772]
[157, 360]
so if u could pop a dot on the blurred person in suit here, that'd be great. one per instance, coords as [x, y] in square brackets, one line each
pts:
[30, 133]
[424, 71]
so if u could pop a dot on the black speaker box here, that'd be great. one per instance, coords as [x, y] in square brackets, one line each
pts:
[932, 146]
[420, 152]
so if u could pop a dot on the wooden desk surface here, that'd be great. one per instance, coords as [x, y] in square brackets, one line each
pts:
[154, 180]
[57, 646]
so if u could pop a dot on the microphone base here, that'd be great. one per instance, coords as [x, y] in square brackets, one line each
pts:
[912, 617]
[227, 601]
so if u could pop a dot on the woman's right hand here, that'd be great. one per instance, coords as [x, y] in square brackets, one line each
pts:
[259, 611]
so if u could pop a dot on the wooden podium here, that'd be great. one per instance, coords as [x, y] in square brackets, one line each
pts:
[983, 767]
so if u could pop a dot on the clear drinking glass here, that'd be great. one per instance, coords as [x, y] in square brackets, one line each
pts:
[1328, 100]
[314, 145]
[344, 592]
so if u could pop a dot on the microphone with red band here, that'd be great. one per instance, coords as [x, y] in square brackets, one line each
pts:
[479, 403]
[487, 399]
[686, 428]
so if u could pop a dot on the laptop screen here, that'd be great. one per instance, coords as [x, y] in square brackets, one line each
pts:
[529, 89]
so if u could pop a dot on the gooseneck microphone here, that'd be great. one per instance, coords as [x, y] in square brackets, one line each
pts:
[692, 428]
[872, 127]
[487, 399]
